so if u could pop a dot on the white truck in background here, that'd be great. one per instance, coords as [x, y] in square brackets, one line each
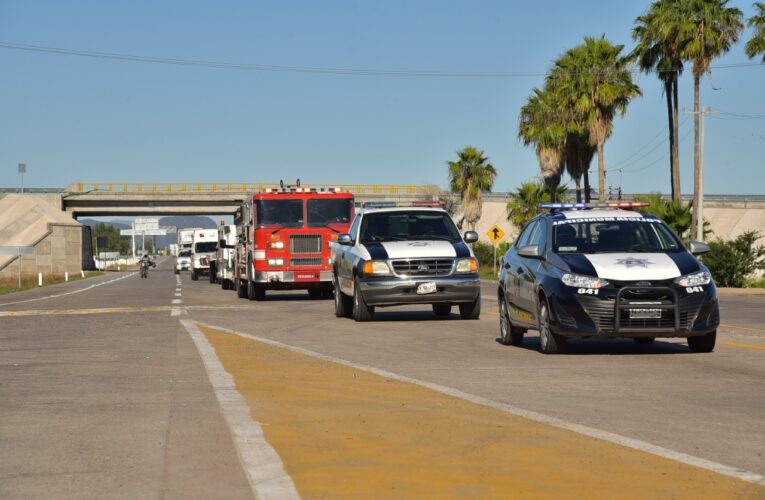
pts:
[205, 243]
[222, 266]
[186, 238]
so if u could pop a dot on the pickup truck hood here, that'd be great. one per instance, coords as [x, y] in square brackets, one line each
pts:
[424, 248]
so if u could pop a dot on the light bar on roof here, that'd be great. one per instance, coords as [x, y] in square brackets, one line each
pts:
[607, 204]
[379, 204]
[426, 203]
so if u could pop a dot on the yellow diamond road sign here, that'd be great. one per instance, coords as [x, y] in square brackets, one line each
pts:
[495, 234]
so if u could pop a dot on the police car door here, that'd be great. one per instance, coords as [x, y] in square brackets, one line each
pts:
[529, 277]
[516, 277]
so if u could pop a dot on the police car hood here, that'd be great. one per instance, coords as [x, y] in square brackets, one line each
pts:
[419, 249]
[632, 266]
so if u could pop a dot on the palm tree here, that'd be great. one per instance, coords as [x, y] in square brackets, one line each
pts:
[595, 77]
[756, 45]
[524, 202]
[658, 50]
[708, 30]
[470, 175]
[541, 123]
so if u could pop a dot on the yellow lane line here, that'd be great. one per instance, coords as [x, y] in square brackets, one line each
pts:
[741, 327]
[742, 345]
[346, 432]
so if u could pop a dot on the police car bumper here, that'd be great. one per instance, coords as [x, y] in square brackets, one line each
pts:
[448, 290]
[661, 312]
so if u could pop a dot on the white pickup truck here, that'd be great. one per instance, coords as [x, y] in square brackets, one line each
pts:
[405, 255]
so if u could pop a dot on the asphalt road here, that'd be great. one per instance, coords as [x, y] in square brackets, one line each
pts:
[105, 394]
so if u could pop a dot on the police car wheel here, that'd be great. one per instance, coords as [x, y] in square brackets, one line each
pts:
[644, 340]
[549, 343]
[703, 343]
[442, 310]
[509, 334]
[361, 311]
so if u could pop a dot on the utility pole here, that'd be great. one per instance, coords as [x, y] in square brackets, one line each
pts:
[697, 220]
[22, 171]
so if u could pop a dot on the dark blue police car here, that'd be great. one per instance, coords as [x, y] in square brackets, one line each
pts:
[600, 271]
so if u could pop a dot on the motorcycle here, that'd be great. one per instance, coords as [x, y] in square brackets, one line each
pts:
[145, 269]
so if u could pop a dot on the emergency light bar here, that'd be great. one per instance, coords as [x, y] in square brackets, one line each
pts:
[291, 190]
[583, 206]
[390, 204]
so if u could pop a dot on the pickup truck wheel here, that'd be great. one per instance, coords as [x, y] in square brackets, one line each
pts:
[471, 310]
[194, 275]
[704, 343]
[177, 271]
[361, 311]
[343, 303]
[549, 343]
[442, 310]
[509, 333]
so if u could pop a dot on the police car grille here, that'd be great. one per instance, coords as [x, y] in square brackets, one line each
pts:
[305, 243]
[423, 267]
[689, 309]
[306, 261]
[600, 311]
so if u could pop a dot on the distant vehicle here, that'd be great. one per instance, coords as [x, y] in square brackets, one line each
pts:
[222, 266]
[283, 239]
[402, 256]
[597, 271]
[186, 238]
[183, 261]
[203, 252]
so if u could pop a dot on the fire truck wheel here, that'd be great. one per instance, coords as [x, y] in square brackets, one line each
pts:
[194, 275]
[361, 311]
[256, 292]
[241, 290]
[213, 274]
[314, 293]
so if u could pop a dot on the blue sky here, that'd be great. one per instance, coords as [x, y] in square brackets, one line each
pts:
[76, 119]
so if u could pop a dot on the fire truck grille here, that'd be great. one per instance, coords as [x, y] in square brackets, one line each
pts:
[423, 267]
[306, 262]
[305, 243]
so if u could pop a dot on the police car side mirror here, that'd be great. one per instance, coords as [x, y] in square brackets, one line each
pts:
[698, 247]
[345, 239]
[471, 237]
[530, 251]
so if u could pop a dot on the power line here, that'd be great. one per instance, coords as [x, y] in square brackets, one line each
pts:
[298, 69]
[626, 163]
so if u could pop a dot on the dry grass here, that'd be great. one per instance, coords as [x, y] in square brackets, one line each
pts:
[27, 282]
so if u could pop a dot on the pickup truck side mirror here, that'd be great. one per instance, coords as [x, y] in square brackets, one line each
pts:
[530, 251]
[345, 239]
[698, 247]
[471, 237]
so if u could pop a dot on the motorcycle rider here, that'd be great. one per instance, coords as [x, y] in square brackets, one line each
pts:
[145, 264]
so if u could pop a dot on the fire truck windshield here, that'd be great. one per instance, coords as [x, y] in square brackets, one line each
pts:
[285, 213]
[322, 212]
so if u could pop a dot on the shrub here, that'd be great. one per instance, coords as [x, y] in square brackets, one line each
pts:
[732, 262]
[484, 252]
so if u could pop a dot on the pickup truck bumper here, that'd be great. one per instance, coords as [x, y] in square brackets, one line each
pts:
[394, 292]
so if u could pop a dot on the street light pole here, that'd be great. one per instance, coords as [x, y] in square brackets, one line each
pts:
[22, 171]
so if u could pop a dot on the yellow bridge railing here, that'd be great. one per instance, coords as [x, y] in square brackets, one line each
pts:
[242, 187]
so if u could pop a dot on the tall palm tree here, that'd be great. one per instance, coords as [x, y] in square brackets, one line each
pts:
[597, 79]
[756, 45]
[524, 202]
[659, 50]
[469, 176]
[709, 29]
[541, 124]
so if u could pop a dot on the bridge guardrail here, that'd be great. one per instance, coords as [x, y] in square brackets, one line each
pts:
[241, 187]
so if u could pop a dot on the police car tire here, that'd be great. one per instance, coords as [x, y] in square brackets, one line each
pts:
[361, 311]
[703, 343]
[644, 340]
[471, 310]
[442, 310]
[549, 343]
[509, 334]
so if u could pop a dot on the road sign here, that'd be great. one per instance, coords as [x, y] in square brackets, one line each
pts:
[145, 224]
[495, 234]
[139, 232]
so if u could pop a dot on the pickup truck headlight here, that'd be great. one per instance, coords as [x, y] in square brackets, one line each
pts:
[582, 281]
[275, 262]
[467, 265]
[694, 279]
[376, 267]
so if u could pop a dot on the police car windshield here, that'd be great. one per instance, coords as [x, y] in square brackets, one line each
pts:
[284, 213]
[604, 235]
[403, 226]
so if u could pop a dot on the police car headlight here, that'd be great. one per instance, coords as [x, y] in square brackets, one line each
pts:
[467, 265]
[695, 279]
[376, 267]
[582, 281]
[275, 262]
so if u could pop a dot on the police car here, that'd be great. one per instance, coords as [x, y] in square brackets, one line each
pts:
[605, 271]
[405, 255]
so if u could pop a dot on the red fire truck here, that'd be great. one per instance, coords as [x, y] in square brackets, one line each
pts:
[283, 238]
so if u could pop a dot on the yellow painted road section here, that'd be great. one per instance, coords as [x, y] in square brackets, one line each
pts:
[743, 345]
[347, 433]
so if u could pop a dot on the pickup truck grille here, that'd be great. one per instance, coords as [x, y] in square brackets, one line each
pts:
[305, 243]
[423, 267]
[306, 262]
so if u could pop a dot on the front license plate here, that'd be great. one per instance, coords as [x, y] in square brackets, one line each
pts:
[426, 288]
[645, 313]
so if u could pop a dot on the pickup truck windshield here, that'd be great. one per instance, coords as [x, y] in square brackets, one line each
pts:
[641, 235]
[285, 213]
[205, 246]
[403, 226]
[329, 211]
[185, 253]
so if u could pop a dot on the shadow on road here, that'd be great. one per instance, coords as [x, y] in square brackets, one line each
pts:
[618, 347]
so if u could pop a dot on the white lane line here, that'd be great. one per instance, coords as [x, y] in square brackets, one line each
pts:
[177, 301]
[178, 311]
[261, 463]
[636, 444]
[177, 294]
[68, 293]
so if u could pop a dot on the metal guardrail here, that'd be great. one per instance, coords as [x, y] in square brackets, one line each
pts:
[730, 198]
[241, 187]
